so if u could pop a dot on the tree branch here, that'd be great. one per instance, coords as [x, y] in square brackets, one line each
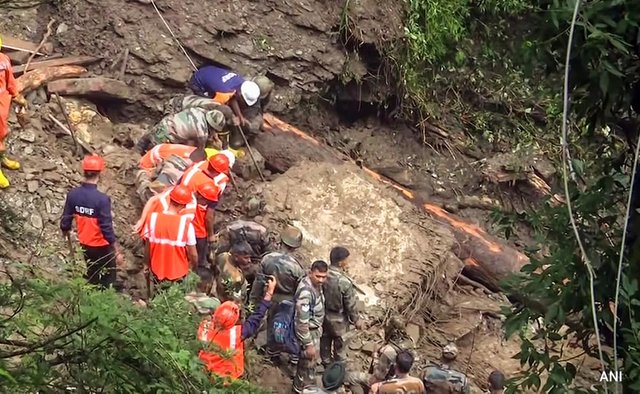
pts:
[48, 341]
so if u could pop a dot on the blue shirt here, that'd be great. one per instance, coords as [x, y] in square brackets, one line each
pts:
[92, 210]
[212, 80]
[252, 324]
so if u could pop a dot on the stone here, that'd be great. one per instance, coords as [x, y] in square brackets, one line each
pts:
[368, 348]
[245, 168]
[36, 221]
[28, 136]
[32, 186]
[63, 27]
[413, 330]
[48, 166]
[28, 150]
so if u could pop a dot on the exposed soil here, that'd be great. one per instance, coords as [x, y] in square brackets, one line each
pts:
[402, 259]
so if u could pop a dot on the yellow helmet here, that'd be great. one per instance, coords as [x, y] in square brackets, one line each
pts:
[211, 152]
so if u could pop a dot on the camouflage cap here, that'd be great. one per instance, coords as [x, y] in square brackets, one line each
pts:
[215, 119]
[291, 236]
[265, 85]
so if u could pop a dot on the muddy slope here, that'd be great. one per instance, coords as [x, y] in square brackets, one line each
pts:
[295, 43]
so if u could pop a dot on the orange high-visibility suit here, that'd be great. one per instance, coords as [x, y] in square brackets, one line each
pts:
[8, 90]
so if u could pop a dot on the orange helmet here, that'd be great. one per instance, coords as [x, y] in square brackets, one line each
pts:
[92, 163]
[221, 162]
[181, 194]
[208, 191]
[226, 315]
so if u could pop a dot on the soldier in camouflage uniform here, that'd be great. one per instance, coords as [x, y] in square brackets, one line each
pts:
[383, 363]
[340, 298]
[231, 283]
[192, 126]
[182, 102]
[308, 318]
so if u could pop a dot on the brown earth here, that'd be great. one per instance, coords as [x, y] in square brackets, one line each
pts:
[406, 266]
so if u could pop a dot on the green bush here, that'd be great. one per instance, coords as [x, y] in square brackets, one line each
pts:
[67, 335]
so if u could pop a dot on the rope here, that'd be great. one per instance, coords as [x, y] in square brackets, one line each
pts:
[174, 36]
[565, 155]
[619, 274]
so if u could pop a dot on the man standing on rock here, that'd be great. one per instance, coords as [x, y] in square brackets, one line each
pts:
[201, 177]
[193, 126]
[340, 298]
[92, 212]
[309, 316]
[229, 271]
[170, 238]
[8, 91]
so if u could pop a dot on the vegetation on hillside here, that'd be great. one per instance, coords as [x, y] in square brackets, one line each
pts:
[502, 61]
[57, 336]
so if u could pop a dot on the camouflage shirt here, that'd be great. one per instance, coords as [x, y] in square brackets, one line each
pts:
[309, 311]
[182, 102]
[284, 267]
[188, 127]
[340, 295]
[230, 283]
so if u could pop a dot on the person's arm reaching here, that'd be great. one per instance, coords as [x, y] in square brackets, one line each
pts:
[192, 251]
[210, 220]
[252, 324]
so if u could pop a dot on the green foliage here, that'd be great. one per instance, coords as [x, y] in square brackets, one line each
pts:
[69, 335]
[604, 64]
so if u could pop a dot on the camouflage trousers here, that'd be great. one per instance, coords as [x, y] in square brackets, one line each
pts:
[159, 134]
[307, 369]
[158, 180]
[332, 346]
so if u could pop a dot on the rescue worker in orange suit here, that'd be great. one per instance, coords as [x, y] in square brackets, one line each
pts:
[92, 212]
[212, 172]
[160, 203]
[224, 332]
[8, 91]
[171, 239]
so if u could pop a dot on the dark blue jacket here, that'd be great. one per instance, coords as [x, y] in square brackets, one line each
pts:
[252, 324]
[92, 211]
[212, 80]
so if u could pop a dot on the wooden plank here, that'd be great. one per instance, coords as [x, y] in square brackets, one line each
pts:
[18, 44]
[65, 61]
[97, 87]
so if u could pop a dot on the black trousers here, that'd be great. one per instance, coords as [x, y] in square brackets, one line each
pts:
[202, 247]
[101, 265]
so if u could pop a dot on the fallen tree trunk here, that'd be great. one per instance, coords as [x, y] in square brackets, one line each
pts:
[487, 259]
[98, 87]
[65, 61]
[34, 79]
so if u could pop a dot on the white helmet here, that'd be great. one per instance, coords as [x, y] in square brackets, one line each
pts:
[230, 156]
[250, 92]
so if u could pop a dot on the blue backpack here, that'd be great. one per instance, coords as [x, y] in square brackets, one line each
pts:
[284, 331]
[284, 328]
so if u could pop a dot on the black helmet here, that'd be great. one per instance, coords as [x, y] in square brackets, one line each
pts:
[291, 236]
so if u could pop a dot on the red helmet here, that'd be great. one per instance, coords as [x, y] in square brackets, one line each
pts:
[181, 194]
[92, 163]
[226, 315]
[220, 163]
[208, 191]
